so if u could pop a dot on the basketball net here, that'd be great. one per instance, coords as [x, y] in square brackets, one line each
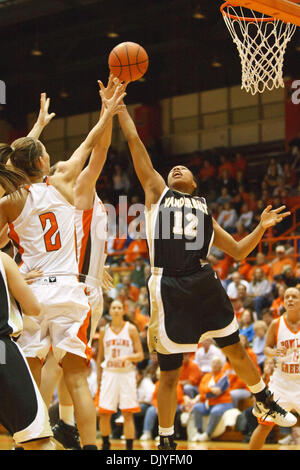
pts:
[261, 42]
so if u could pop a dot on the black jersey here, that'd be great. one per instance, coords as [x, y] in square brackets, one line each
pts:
[10, 316]
[179, 232]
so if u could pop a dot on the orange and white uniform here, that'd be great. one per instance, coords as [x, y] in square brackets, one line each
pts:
[118, 382]
[285, 380]
[44, 238]
[91, 237]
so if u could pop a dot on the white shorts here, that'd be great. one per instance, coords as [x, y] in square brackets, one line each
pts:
[118, 390]
[65, 323]
[286, 390]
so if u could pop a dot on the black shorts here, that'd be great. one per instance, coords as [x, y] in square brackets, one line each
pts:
[22, 410]
[188, 309]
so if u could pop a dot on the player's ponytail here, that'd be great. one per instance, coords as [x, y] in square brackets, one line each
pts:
[5, 153]
[11, 179]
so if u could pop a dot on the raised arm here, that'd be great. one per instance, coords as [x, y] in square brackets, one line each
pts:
[84, 190]
[43, 118]
[151, 181]
[241, 249]
[71, 168]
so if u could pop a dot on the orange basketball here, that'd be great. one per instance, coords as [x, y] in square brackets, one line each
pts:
[128, 61]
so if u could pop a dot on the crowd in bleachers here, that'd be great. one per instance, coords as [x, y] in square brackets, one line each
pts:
[208, 385]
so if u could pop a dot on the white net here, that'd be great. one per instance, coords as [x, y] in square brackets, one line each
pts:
[261, 42]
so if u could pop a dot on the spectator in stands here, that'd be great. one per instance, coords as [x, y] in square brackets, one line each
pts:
[242, 295]
[246, 216]
[259, 341]
[289, 174]
[236, 280]
[227, 181]
[287, 276]
[267, 316]
[246, 324]
[280, 261]
[225, 196]
[143, 301]
[237, 388]
[271, 178]
[204, 354]
[207, 175]
[145, 390]
[137, 275]
[133, 292]
[225, 164]
[260, 262]
[117, 245]
[227, 218]
[239, 163]
[214, 400]
[221, 266]
[277, 308]
[261, 291]
[190, 376]
[134, 315]
[151, 413]
[273, 163]
[137, 247]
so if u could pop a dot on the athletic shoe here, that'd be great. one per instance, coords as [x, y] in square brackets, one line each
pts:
[201, 437]
[146, 436]
[166, 444]
[66, 435]
[287, 441]
[269, 410]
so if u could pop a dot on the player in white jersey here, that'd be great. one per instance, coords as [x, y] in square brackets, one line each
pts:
[119, 348]
[91, 228]
[283, 344]
[65, 297]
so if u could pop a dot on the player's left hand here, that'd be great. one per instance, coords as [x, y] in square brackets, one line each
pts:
[269, 217]
[44, 117]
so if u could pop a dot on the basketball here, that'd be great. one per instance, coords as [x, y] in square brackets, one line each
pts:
[128, 61]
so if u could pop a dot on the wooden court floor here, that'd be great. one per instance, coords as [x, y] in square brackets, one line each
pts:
[6, 443]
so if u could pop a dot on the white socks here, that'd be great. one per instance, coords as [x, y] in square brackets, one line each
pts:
[166, 431]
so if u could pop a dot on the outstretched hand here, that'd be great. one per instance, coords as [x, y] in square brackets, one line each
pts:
[44, 117]
[116, 90]
[269, 217]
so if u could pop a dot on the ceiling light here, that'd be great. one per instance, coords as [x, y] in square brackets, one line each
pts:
[36, 51]
[112, 34]
[216, 63]
[64, 94]
[198, 14]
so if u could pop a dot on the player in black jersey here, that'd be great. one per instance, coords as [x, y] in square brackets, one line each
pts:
[187, 300]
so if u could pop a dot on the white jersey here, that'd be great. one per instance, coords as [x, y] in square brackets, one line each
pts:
[91, 236]
[288, 365]
[43, 234]
[117, 345]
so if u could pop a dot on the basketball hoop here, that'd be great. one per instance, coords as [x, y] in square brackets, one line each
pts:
[261, 41]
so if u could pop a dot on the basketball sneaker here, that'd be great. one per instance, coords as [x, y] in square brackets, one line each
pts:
[66, 435]
[269, 410]
[167, 443]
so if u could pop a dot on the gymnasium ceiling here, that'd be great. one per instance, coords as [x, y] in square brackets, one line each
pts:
[72, 36]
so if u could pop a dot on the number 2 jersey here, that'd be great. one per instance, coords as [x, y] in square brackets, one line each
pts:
[179, 232]
[43, 234]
